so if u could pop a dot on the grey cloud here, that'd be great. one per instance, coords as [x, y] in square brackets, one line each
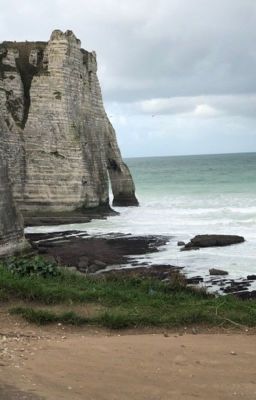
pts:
[152, 49]
[196, 52]
[212, 106]
[244, 105]
[197, 48]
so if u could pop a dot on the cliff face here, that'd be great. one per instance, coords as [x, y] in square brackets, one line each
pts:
[60, 145]
[11, 223]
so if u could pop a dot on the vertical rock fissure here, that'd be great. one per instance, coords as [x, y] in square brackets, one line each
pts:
[26, 70]
[26, 75]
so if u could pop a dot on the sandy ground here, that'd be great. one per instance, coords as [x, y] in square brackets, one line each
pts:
[59, 363]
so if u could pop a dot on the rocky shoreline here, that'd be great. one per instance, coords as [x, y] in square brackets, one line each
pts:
[116, 254]
[78, 250]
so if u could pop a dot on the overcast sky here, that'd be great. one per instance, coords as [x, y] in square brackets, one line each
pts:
[178, 76]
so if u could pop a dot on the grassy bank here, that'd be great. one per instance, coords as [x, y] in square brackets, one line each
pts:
[129, 302]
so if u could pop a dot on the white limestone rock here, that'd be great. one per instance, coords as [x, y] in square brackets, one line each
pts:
[53, 115]
[11, 223]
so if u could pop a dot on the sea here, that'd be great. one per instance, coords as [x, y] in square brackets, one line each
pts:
[183, 196]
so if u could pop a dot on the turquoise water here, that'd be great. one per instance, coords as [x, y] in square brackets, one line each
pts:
[195, 175]
[189, 195]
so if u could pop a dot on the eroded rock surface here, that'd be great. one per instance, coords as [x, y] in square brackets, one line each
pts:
[11, 223]
[60, 143]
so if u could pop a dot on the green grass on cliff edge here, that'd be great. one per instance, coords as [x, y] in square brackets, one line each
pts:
[120, 303]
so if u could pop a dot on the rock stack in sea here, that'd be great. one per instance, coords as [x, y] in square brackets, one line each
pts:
[60, 146]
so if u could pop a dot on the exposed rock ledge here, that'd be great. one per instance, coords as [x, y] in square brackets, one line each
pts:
[59, 143]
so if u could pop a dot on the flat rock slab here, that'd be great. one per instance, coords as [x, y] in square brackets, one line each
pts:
[109, 250]
[200, 241]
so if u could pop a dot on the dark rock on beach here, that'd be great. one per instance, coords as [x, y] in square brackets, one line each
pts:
[92, 254]
[195, 280]
[215, 271]
[235, 287]
[200, 241]
[246, 295]
[186, 248]
[251, 277]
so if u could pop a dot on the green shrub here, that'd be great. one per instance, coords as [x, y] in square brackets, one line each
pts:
[31, 266]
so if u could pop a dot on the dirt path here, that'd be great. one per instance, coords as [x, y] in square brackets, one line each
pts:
[58, 364]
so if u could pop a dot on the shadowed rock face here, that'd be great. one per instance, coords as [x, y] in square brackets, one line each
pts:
[61, 146]
[11, 223]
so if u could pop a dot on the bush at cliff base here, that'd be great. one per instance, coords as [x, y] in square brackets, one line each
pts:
[31, 266]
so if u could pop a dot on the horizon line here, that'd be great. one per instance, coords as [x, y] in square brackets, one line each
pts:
[191, 155]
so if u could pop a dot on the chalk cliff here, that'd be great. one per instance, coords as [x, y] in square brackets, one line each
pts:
[11, 223]
[60, 145]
